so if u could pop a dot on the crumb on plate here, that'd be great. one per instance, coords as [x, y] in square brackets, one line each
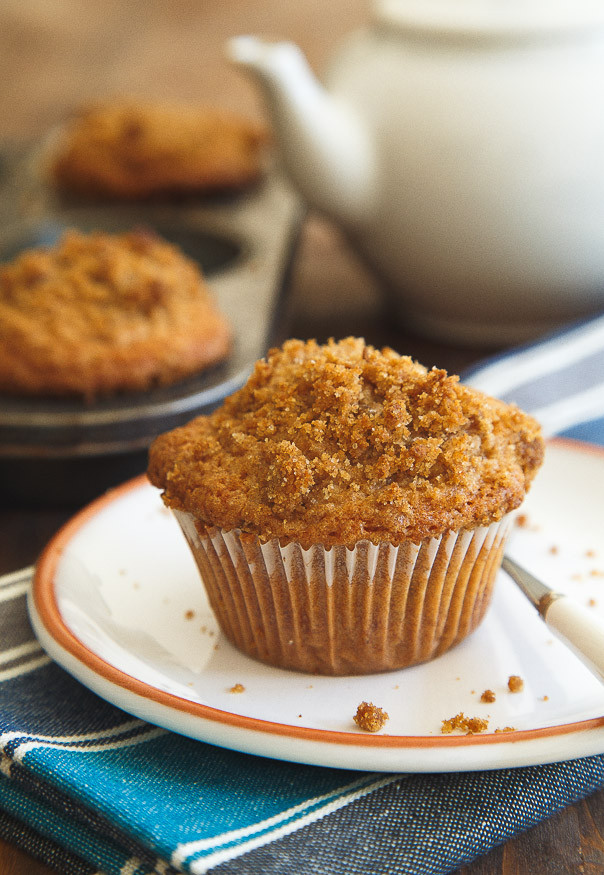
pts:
[469, 725]
[369, 717]
[515, 683]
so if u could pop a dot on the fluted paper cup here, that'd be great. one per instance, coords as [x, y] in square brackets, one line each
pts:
[347, 611]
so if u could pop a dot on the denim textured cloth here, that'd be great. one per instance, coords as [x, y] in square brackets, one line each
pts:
[89, 789]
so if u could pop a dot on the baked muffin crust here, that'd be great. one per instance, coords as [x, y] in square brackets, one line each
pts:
[102, 313]
[137, 149]
[338, 443]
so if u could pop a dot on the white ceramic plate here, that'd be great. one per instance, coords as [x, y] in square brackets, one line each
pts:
[117, 601]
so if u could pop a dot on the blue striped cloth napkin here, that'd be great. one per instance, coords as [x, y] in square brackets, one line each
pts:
[88, 789]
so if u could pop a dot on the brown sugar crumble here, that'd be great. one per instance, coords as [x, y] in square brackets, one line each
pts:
[137, 149]
[369, 717]
[488, 696]
[469, 725]
[343, 442]
[515, 683]
[100, 313]
[189, 614]
[237, 688]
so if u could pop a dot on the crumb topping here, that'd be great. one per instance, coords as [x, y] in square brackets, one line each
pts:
[515, 683]
[135, 149]
[369, 717]
[488, 696]
[103, 312]
[337, 443]
[461, 723]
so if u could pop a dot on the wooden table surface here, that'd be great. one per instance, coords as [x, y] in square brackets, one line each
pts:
[53, 56]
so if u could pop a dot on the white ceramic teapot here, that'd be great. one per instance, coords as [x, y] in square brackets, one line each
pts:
[460, 144]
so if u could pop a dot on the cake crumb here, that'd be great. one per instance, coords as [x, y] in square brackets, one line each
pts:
[590, 554]
[596, 572]
[488, 696]
[554, 549]
[469, 725]
[522, 521]
[545, 698]
[592, 603]
[237, 688]
[189, 614]
[515, 683]
[507, 729]
[369, 717]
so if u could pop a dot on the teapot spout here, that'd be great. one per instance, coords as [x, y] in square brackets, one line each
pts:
[324, 147]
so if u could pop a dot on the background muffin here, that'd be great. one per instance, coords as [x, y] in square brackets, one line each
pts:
[101, 313]
[347, 507]
[130, 149]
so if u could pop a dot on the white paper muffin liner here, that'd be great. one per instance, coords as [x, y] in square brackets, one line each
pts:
[341, 611]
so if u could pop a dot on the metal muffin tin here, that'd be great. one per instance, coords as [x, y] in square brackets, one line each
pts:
[64, 451]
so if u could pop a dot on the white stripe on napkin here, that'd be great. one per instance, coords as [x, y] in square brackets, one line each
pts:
[203, 865]
[23, 574]
[73, 741]
[13, 591]
[21, 650]
[8, 674]
[571, 411]
[189, 848]
[539, 360]
[130, 866]
[22, 749]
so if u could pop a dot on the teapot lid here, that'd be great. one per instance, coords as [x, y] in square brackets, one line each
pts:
[497, 18]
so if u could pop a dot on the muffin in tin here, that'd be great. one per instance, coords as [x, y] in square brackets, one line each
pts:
[129, 149]
[348, 508]
[101, 313]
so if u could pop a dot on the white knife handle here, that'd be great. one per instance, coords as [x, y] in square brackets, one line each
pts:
[581, 629]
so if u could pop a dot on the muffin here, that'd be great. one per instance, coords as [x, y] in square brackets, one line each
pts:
[102, 313]
[130, 150]
[347, 508]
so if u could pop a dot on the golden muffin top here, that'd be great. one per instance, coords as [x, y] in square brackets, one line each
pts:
[337, 443]
[129, 149]
[101, 313]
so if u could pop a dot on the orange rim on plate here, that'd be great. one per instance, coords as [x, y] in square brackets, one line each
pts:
[45, 601]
